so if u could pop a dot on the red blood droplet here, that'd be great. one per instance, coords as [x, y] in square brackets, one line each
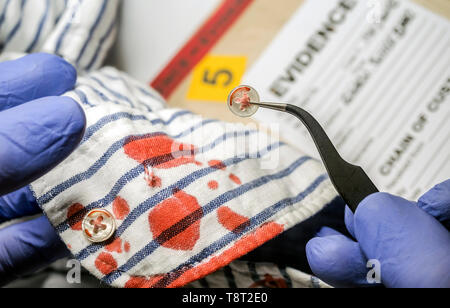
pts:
[152, 180]
[231, 220]
[120, 208]
[75, 215]
[105, 263]
[171, 212]
[213, 185]
[160, 151]
[235, 179]
[217, 164]
[126, 247]
[115, 246]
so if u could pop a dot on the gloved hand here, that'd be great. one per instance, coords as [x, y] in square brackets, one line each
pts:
[408, 239]
[38, 130]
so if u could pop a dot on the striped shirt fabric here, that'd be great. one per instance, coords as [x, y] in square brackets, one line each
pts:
[189, 195]
[81, 31]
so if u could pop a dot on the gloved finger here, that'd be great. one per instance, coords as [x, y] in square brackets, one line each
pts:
[32, 77]
[35, 137]
[27, 247]
[436, 202]
[337, 260]
[20, 203]
[411, 245]
[349, 217]
[326, 231]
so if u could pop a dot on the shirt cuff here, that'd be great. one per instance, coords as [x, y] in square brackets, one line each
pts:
[184, 196]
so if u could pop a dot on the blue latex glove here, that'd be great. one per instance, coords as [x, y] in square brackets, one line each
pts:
[409, 239]
[38, 130]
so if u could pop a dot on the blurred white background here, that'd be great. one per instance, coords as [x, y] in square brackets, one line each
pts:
[152, 31]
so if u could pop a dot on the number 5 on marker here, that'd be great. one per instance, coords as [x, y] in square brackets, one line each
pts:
[215, 76]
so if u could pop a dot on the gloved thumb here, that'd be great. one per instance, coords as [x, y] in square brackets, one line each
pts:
[436, 202]
[411, 245]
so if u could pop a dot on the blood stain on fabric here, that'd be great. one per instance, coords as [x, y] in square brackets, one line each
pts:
[115, 246]
[242, 246]
[126, 247]
[235, 179]
[213, 185]
[120, 208]
[75, 215]
[151, 179]
[243, 101]
[172, 213]
[105, 263]
[217, 164]
[160, 151]
[231, 220]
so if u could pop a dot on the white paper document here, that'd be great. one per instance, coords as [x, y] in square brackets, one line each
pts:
[376, 74]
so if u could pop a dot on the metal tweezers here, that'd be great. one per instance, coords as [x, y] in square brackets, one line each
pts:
[350, 181]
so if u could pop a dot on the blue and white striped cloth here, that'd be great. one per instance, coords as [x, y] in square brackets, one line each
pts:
[100, 171]
[227, 208]
[81, 31]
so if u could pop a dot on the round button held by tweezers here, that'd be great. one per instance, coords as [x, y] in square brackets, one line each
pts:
[240, 101]
[98, 225]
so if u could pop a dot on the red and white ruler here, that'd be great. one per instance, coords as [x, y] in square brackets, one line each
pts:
[198, 46]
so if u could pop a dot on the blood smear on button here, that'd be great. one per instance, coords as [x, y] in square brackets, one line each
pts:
[241, 101]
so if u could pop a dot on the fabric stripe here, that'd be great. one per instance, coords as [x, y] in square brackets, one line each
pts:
[230, 277]
[67, 27]
[100, 45]
[3, 14]
[114, 93]
[98, 93]
[252, 269]
[41, 26]
[83, 98]
[106, 98]
[92, 30]
[125, 115]
[142, 90]
[14, 30]
[221, 243]
[133, 173]
[167, 192]
[285, 276]
[61, 13]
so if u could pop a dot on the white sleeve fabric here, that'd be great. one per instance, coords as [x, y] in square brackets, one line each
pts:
[188, 195]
